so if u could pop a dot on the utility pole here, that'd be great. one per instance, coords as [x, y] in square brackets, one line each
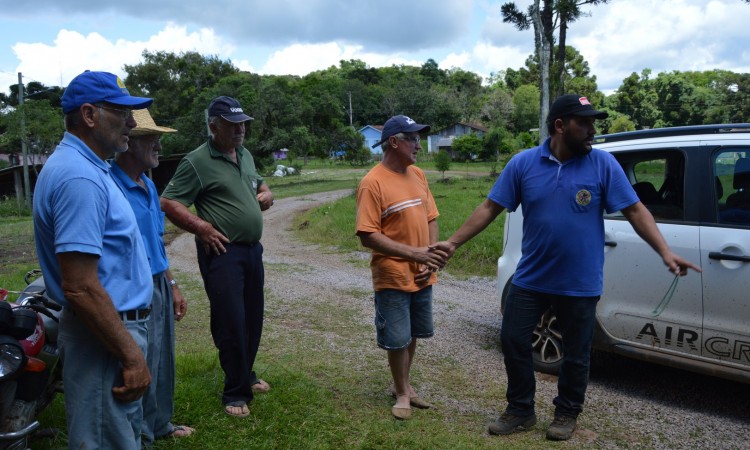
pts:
[24, 150]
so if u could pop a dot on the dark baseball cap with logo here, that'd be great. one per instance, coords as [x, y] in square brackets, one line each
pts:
[573, 105]
[227, 108]
[400, 124]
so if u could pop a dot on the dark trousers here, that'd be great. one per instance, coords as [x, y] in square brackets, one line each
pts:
[234, 285]
[575, 318]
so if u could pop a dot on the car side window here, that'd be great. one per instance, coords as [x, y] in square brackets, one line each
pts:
[658, 180]
[732, 175]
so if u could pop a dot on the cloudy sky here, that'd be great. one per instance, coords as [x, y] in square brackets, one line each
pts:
[51, 41]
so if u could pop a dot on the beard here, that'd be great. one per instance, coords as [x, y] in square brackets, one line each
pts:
[578, 147]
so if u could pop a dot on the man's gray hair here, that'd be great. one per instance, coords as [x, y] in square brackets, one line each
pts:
[384, 145]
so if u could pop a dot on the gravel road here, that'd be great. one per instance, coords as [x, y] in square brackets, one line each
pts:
[629, 404]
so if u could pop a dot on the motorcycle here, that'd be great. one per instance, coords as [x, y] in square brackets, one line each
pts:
[30, 366]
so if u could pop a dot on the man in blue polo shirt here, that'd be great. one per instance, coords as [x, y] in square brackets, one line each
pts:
[95, 265]
[563, 185]
[167, 302]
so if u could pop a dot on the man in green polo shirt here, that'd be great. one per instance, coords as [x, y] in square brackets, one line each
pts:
[219, 177]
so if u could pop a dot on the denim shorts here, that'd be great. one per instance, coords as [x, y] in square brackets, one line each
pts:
[401, 316]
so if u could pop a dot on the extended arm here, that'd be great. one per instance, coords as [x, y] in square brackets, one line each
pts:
[644, 224]
[93, 306]
[482, 216]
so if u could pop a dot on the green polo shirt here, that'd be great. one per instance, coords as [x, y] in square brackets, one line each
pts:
[224, 193]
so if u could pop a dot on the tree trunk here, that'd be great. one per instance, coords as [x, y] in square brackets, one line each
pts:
[560, 59]
[542, 21]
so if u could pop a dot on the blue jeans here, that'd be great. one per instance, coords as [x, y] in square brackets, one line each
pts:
[96, 420]
[576, 317]
[234, 286]
[401, 316]
[158, 402]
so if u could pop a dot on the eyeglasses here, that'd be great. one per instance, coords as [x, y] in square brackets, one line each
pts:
[125, 114]
[412, 139]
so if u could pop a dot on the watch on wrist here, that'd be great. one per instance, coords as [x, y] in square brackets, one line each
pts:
[173, 282]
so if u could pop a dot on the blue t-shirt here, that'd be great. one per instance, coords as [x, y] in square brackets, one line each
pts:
[562, 251]
[148, 214]
[79, 208]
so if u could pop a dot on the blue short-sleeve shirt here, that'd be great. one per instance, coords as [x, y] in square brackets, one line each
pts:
[563, 227]
[78, 207]
[148, 214]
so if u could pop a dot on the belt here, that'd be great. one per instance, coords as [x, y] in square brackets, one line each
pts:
[135, 314]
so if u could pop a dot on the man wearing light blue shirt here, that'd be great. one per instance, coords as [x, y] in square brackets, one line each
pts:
[95, 265]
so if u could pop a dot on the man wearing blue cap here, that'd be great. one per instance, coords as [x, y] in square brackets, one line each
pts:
[95, 265]
[397, 219]
[219, 177]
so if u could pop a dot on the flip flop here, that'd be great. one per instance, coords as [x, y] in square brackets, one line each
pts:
[260, 387]
[179, 431]
[239, 404]
[415, 401]
[401, 413]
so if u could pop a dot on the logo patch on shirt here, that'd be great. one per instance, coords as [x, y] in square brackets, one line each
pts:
[583, 197]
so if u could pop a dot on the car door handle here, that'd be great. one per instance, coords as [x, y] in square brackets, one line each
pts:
[719, 255]
[610, 244]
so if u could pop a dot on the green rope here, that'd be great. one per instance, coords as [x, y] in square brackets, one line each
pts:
[667, 297]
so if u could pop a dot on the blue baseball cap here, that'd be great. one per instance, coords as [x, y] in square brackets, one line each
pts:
[400, 124]
[94, 87]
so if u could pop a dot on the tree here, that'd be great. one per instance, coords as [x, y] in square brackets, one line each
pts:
[494, 143]
[497, 106]
[442, 162]
[43, 127]
[552, 14]
[620, 123]
[176, 80]
[467, 147]
[525, 109]
[543, 41]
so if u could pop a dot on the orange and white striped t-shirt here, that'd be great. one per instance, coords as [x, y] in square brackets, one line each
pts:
[400, 207]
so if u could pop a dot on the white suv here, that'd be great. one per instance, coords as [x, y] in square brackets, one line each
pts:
[696, 182]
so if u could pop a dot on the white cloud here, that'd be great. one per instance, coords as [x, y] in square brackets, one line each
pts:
[679, 35]
[73, 52]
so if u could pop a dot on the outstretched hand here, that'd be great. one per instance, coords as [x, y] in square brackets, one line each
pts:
[678, 265]
[446, 247]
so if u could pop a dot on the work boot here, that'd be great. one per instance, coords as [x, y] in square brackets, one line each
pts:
[561, 429]
[508, 424]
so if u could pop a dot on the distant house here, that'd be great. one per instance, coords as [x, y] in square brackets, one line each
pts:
[280, 153]
[372, 134]
[443, 139]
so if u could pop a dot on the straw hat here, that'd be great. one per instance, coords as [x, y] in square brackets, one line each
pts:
[145, 124]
